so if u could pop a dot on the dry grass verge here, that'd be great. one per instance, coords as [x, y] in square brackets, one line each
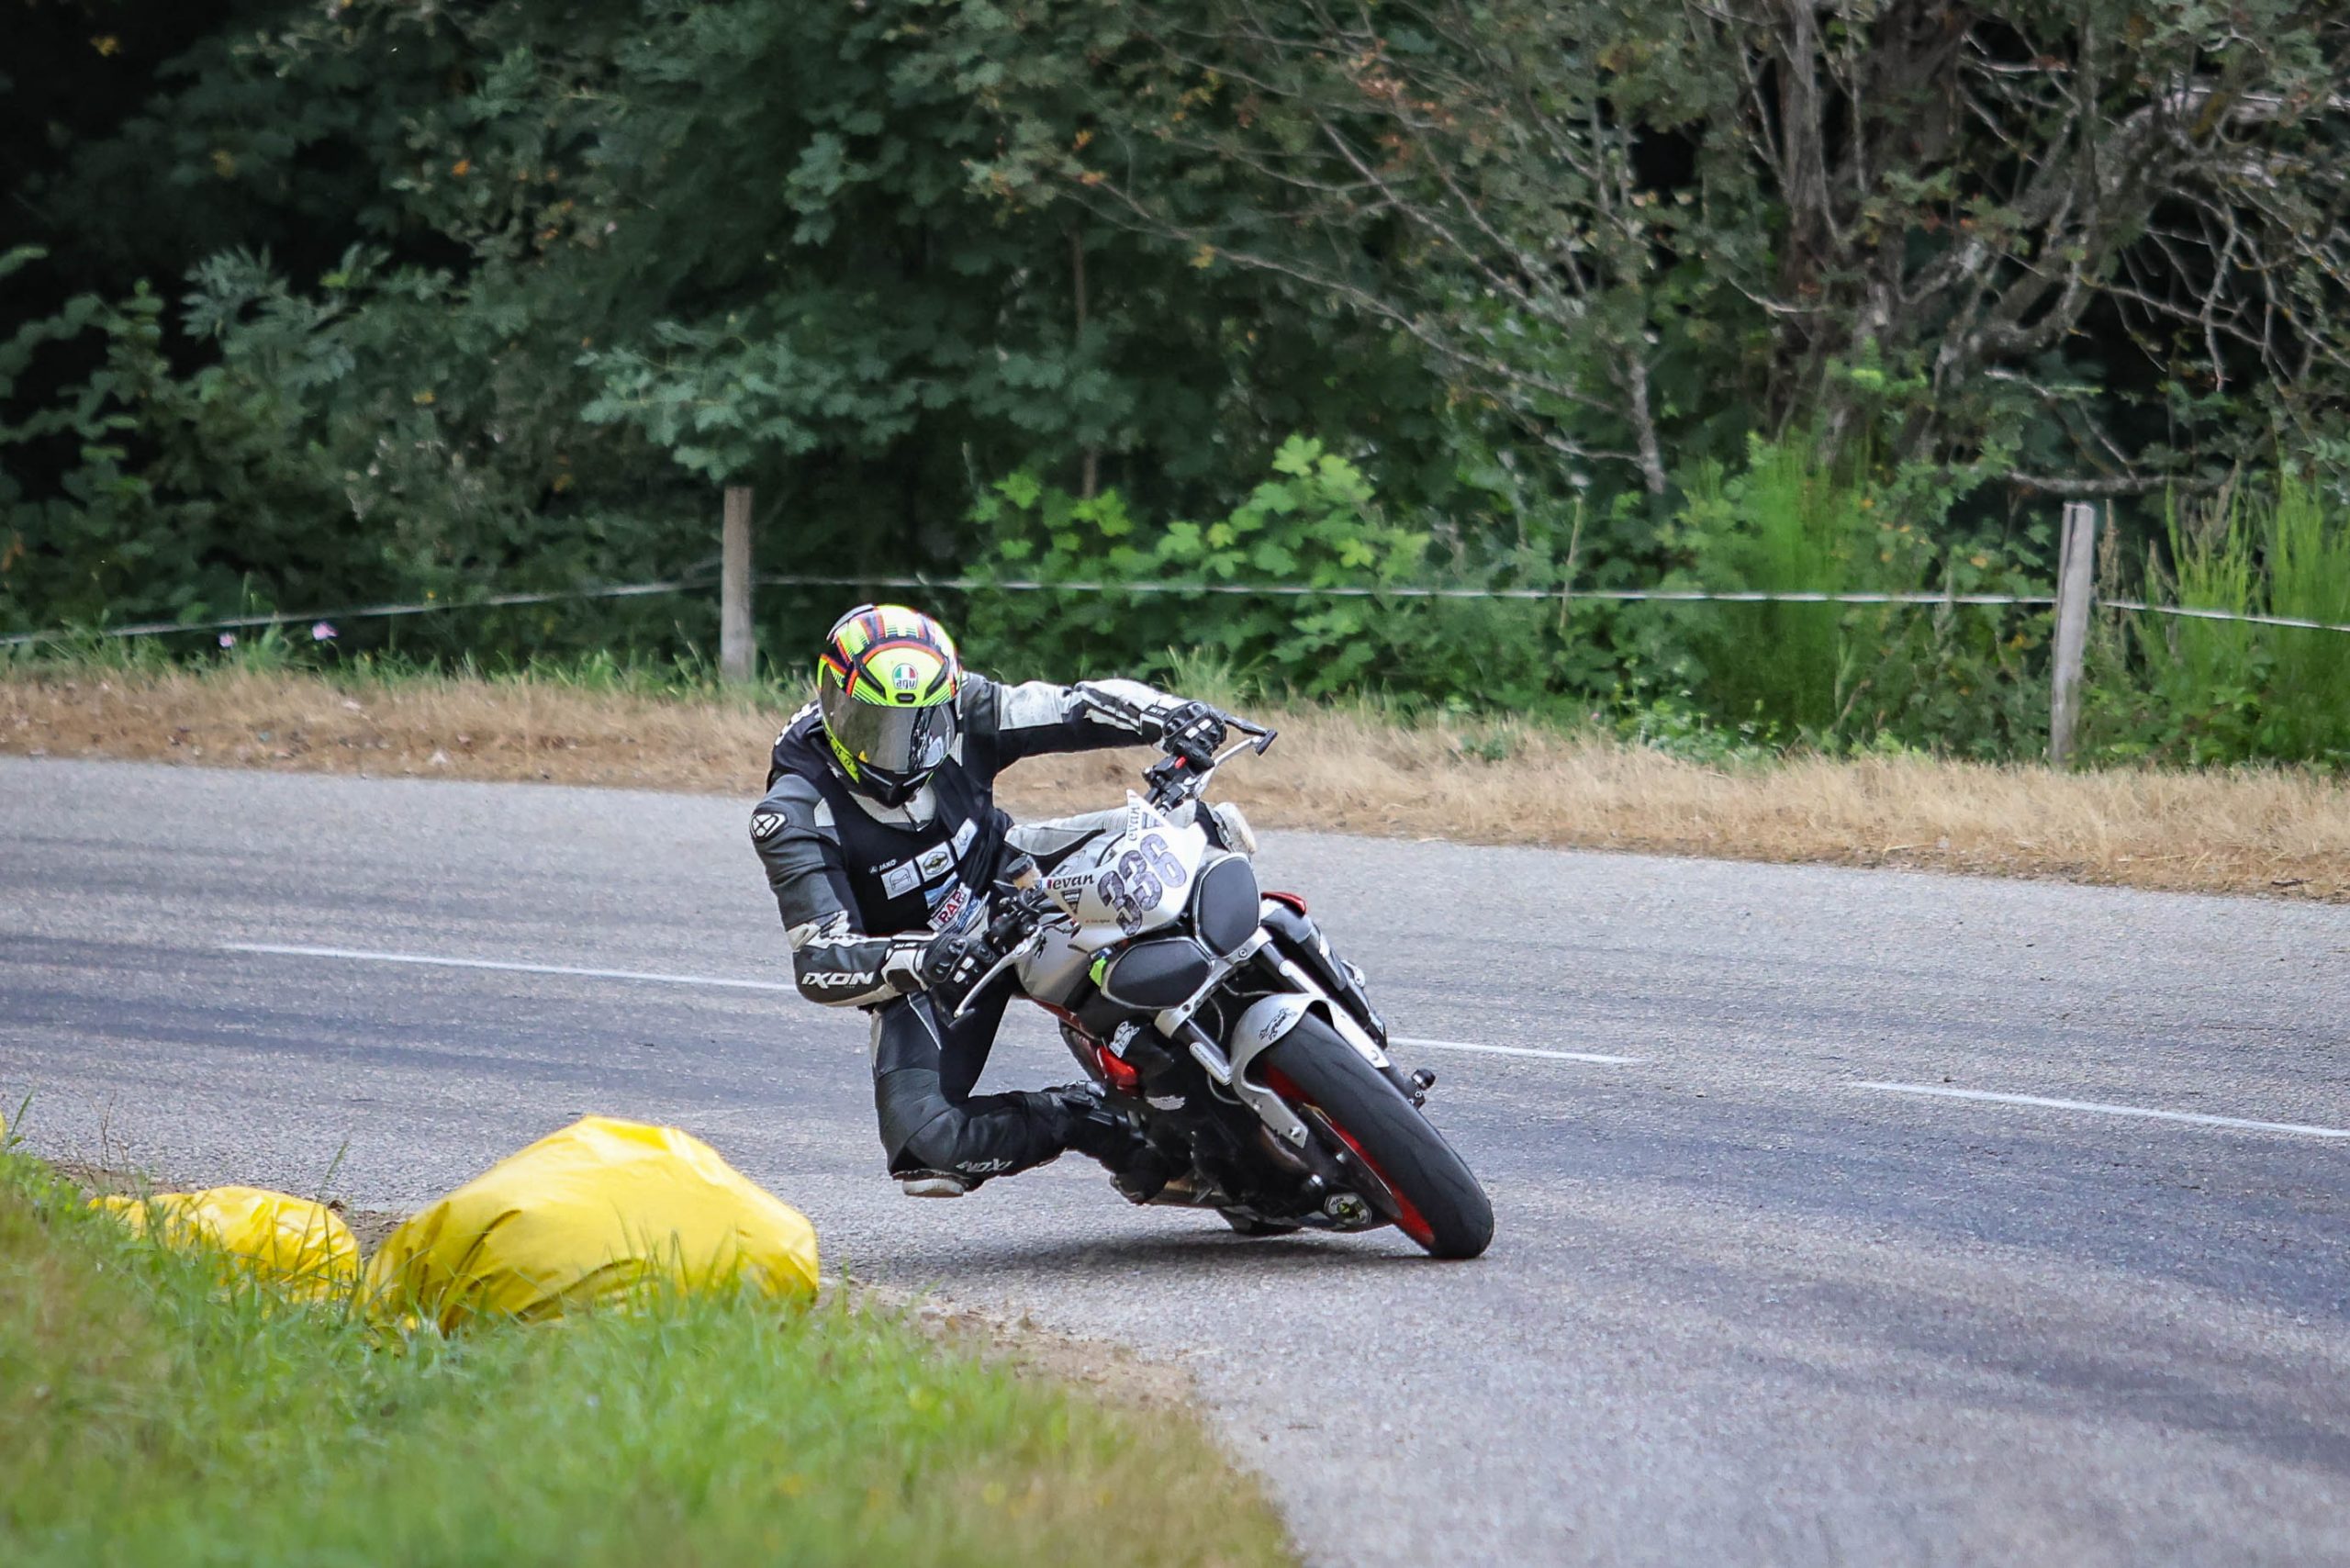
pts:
[2252, 831]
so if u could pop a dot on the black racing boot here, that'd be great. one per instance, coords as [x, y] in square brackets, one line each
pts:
[1139, 1171]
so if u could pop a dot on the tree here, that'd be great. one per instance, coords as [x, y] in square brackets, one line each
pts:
[2073, 245]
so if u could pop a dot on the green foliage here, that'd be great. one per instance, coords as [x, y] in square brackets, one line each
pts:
[2308, 696]
[1952, 676]
[2202, 691]
[417, 301]
[1401, 615]
[608, 255]
[1674, 724]
[277, 471]
[1784, 525]
[1316, 523]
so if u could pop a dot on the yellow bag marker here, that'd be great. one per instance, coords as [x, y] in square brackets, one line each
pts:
[587, 1215]
[298, 1246]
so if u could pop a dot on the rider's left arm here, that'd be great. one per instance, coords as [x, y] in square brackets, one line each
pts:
[1006, 724]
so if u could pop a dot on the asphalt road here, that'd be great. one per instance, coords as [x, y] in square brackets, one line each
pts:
[1743, 1308]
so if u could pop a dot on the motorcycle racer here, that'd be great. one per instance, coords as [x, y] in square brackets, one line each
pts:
[882, 843]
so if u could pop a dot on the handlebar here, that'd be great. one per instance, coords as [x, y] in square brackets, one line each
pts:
[1023, 908]
[1131, 717]
[1173, 780]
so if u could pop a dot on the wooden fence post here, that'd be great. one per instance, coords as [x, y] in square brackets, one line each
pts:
[737, 652]
[2075, 575]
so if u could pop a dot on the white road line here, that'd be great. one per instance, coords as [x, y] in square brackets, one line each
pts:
[1518, 1051]
[2104, 1110]
[517, 969]
[435, 961]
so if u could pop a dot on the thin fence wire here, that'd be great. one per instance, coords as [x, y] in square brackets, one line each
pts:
[1304, 590]
[693, 583]
[364, 612]
[2183, 611]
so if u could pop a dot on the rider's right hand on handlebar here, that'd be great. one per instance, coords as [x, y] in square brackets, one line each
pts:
[952, 964]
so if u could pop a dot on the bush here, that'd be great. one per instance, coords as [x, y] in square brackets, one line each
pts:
[2189, 689]
[1952, 678]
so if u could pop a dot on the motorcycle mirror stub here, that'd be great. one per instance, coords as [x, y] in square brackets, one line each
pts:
[1238, 833]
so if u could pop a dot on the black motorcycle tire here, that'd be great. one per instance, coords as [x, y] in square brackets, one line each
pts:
[1437, 1202]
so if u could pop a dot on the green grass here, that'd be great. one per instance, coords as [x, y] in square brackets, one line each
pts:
[1789, 523]
[148, 1418]
[622, 672]
[2237, 690]
[2309, 580]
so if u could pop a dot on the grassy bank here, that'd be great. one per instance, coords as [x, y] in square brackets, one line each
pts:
[2264, 831]
[145, 1418]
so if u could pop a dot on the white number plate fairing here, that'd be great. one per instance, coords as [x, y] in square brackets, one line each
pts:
[1141, 881]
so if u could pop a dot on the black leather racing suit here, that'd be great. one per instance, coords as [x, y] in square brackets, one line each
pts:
[862, 888]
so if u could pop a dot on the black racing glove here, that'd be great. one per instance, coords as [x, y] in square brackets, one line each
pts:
[952, 965]
[1193, 731]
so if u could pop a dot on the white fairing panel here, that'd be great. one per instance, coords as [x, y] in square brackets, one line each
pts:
[1262, 1027]
[1140, 881]
[1054, 970]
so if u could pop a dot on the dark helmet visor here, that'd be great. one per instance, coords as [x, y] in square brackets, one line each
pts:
[898, 742]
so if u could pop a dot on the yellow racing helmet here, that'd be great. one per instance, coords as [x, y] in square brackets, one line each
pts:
[886, 686]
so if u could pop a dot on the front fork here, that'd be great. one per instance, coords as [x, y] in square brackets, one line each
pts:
[1300, 941]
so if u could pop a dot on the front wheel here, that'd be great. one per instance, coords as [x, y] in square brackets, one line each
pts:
[1415, 1177]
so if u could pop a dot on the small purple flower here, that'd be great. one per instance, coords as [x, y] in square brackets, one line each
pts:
[322, 632]
[228, 639]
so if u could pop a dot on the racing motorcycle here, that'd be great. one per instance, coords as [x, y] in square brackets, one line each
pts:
[1221, 1027]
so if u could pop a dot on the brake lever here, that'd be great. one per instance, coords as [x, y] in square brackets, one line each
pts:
[1262, 736]
[987, 978]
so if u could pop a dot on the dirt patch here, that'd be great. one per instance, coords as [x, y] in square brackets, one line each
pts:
[1105, 1369]
[370, 1227]
[2255, 831]
[101, 1182]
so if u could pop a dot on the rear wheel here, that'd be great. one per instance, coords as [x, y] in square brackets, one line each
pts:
[1414, 1176]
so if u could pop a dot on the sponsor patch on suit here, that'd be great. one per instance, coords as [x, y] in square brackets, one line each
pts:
[952, 914]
